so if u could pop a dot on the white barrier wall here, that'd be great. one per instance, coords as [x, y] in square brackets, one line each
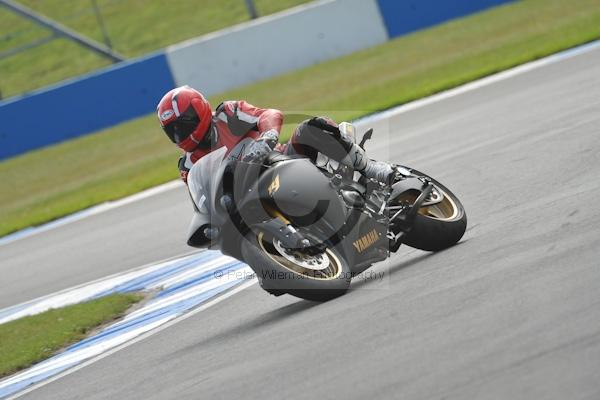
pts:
[273, 45]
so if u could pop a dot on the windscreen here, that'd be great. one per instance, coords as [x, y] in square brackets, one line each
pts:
[201, 179]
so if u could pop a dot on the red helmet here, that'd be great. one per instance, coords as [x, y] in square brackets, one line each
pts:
[185, 116]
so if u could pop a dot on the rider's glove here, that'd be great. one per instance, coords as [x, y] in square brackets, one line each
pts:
[257, 151]
[271, 137]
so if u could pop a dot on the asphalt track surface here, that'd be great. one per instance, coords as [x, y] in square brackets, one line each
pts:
[513, 311]
[93, 248]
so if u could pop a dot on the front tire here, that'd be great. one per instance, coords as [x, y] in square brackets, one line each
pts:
[439, 226]
[277, 274]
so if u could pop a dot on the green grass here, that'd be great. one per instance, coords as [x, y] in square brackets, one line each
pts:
[135, 27]
[52, 182]
[28, 340]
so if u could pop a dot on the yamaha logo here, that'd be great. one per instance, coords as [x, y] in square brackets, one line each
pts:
[274, 186]
[366, 241]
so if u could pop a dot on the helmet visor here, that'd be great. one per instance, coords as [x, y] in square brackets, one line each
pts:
[183, 126]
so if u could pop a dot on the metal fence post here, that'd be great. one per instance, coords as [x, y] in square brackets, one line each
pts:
[101, 23]
[62, 30]
[251, 9]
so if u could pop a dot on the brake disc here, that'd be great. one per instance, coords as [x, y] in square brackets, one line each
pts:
[317, 262]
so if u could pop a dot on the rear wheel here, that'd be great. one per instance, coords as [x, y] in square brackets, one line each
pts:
[437, 226]
[317, 277]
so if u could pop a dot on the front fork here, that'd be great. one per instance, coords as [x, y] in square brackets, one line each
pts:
[402, 221]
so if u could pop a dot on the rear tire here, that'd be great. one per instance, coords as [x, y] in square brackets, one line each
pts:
[277, 278]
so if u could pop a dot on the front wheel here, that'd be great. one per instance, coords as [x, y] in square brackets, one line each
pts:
[439, 225]
[318, 277]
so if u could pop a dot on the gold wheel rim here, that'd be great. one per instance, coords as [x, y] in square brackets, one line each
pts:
[445, 210]
[332, 272]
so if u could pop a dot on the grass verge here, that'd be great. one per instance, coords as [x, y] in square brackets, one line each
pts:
[28, 340]
[135, 27]
[61, 179]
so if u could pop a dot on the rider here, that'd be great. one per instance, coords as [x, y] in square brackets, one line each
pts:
[186, 117]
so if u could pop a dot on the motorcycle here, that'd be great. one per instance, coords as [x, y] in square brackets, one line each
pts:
[306, 228]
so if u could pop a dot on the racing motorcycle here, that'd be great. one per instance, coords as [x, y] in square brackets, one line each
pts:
[306, 228]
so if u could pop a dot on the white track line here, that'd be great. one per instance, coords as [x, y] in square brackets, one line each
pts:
[488, 80]
[88, 212]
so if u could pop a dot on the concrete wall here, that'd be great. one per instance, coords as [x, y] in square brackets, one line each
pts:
[216, 62]
[277, 44]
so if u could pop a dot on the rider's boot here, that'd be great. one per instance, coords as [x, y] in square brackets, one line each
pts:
[378, 170]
